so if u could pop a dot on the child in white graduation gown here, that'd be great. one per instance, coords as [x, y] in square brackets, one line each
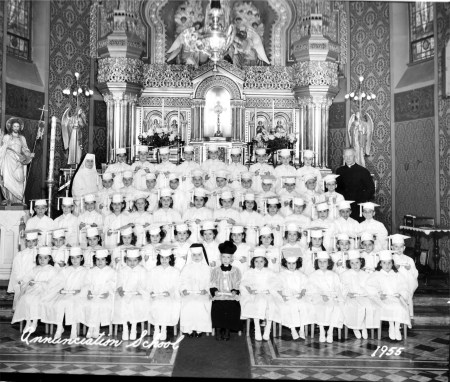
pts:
[311, 195]
[405, 266]
[297, 216]
[373, 226]
[332, 198]
[344, 223]
[23, 264]
[94, 241]
[152, 192]
[360, 311]
[98, 302]
[141, 218]
[198, 213]
[208, 233]
[195, 316]
[68, 221]
[315, 236]
[141, 168]
[307, 168]
[114, 222]
[389, 288]
[323, 220]
[163, 286]
[89, 217]
[326, 296]
[131, 298]
[249, 217]
[284, 168]
[155, 236]
[274, 219]
[60, 252]
[370, 257]
[261, 168]
[266, 241]
[165, 215]
[188, 165]
[293, 238]
[259, 297]
[37, 288]
[340, 256]
[225, 216]
[67, 305]
[296, 309]
[104, 195]
[241, 258]
[40, 220]
[182, 244]
[127, 240]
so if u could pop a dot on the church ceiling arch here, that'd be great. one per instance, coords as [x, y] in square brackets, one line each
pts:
[217, 81]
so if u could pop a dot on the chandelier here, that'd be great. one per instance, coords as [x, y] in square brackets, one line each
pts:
[215, 40]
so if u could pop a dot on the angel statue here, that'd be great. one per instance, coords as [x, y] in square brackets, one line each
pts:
[360, 131]
[72, 134]
[247, 48]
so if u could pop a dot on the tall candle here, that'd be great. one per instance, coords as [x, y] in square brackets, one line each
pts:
[51, 164]
[179, 123]
[273, 114]
[162, 113]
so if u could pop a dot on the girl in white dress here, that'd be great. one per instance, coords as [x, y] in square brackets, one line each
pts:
[241, 258]
[165, 215]
[182, 244]
[163, 286]
[225, 216]
[94, 241]
[104, 195]
[340, 257]
[405, 266]
[360, 311]
[315, 245]
[155, 236]
[198, 213]
[36, 290]
[68, 303]
[326, 296]
[195, 316]
[89, 218]
[40, 221]
[323, 220]
[250, 218]
[131, 298]
[368, 254]
[127, 240]
[332, 198]
[23, 264]
[68, 221]
[373, 226]
[99, 301]
[296, 309]
[274, 219]
[114, 222]
[60, 252]
[140, 218]
[266, 240]
[293, 238]
[297, 215]
[311, 195]
[209, 233]
[259, 297]
[152, 192]
[307, 168]
[389, 288]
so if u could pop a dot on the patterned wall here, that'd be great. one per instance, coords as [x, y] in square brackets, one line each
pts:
[69, 53]
[336, 135]
[99, 132]
[443, 36]
[24, 103]
[370, 57]
[2, 11]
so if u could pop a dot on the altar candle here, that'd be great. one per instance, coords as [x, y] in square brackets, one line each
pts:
[179, 123]
[51, 164]
[162, 113]
[273, 114]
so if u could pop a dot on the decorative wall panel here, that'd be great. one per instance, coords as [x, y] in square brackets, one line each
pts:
[99, 129]
[24, 103]
[69, 53]
[414, 104]
[415, 168]
[443, 36]
[336, 135]
[2, 11]
[370, 57]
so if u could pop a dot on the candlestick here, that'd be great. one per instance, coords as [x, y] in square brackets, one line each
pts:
[273, 114]
[162, 113]
[51, 164]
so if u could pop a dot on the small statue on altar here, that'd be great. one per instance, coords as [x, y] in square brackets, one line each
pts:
[174, 127]
[279, 128]
[14, 155]
[260, 129]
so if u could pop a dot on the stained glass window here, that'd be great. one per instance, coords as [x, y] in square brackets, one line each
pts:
[19, 28]
[421, 33]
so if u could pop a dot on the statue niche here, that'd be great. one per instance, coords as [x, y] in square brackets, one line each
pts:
[217, 115]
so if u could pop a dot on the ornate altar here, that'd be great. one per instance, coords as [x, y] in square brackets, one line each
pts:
[270, 80]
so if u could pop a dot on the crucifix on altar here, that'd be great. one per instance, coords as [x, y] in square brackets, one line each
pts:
[218, 109]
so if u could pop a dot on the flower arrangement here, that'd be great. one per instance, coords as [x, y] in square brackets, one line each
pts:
[159, 137]
[275, 141]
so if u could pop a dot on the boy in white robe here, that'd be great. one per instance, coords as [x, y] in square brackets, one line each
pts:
[119, 167]
[40, 221]
[89, 217]
[152, 191]
[68, 221]
[344, 223]
[307, 168]
[188, 165]
[332, 197]
[141, 167]
[284, 169]
[324, 221]
[164, 168]
[261, 168]
[373, 226]
[287, 194]
[213, 163]
[311, 195]
[104, 195]
[370, 257]
[235, 167]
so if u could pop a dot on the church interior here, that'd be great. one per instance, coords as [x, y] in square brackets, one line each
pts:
[106, 77]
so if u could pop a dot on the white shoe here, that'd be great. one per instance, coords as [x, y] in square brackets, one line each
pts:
[302, 333]
[163, 335]
[95, 333]
[89, 333]
[266, 335]
[391, 332]
[32, 328]
[330, 338]
[73, 335]
[357, 334]
[398, 335]
[133, 335]
[157, 334]
[58, 334]
[295, 335]
[258, 336]
[125, 335]
[322, 338]
[365, 335]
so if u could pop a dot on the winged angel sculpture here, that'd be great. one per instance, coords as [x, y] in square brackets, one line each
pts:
[71, 132]
[360, 131]
[243, 37]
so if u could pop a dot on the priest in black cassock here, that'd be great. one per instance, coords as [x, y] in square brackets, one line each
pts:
[225, 280]
[354, 182]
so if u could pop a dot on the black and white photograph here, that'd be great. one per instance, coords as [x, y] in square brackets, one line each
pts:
[225, 189]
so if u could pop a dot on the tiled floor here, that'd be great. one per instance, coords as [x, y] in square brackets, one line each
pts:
[424, 358]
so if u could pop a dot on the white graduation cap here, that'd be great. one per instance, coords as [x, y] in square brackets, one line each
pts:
[140, 195]
[272, 201]
[342, 237]
[38, 202]
[237, 229]
[200, 192]
[173, 176]
[126, 231]
[261, 151]
[132, 252]
[322, 255]
[247, 175]
[127, 174]
[142, 149]
[32, 234]
[182, 227]
[208, 225]
[367, 236]
[58, 233]
[330, 178]
[259, 252]
[353, 254]
[101, 253]
[284, 152]
[298, 202]
[165, 250]
[121, 151]
[164, 150]
[385, 255]
[249, 196]
[292, 227]
[154, 229]
[266, 230]
[165, 192]
[197, 173]
[308, 153]
[222, 174]
[291, 254]
[268, 179]
[397, 239]
[117, 198]
[226, 195]
[315, 232]
[367, 206]
[92, 231]
[288, 179]
[44, 250]
[309, 176]
[345, 204]
[235, 151]
[75, 251]
[65, 201]
[322, 206]
[150, 176]
[89, 198]
[107, 176]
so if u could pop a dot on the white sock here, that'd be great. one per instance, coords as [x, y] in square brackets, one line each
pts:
[322, 330]
[330, 331]
[133, 327]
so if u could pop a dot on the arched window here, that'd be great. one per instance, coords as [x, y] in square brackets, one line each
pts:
[421, 32]
[19, 29]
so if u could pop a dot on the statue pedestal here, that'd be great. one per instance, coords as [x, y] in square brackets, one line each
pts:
[9, 239]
